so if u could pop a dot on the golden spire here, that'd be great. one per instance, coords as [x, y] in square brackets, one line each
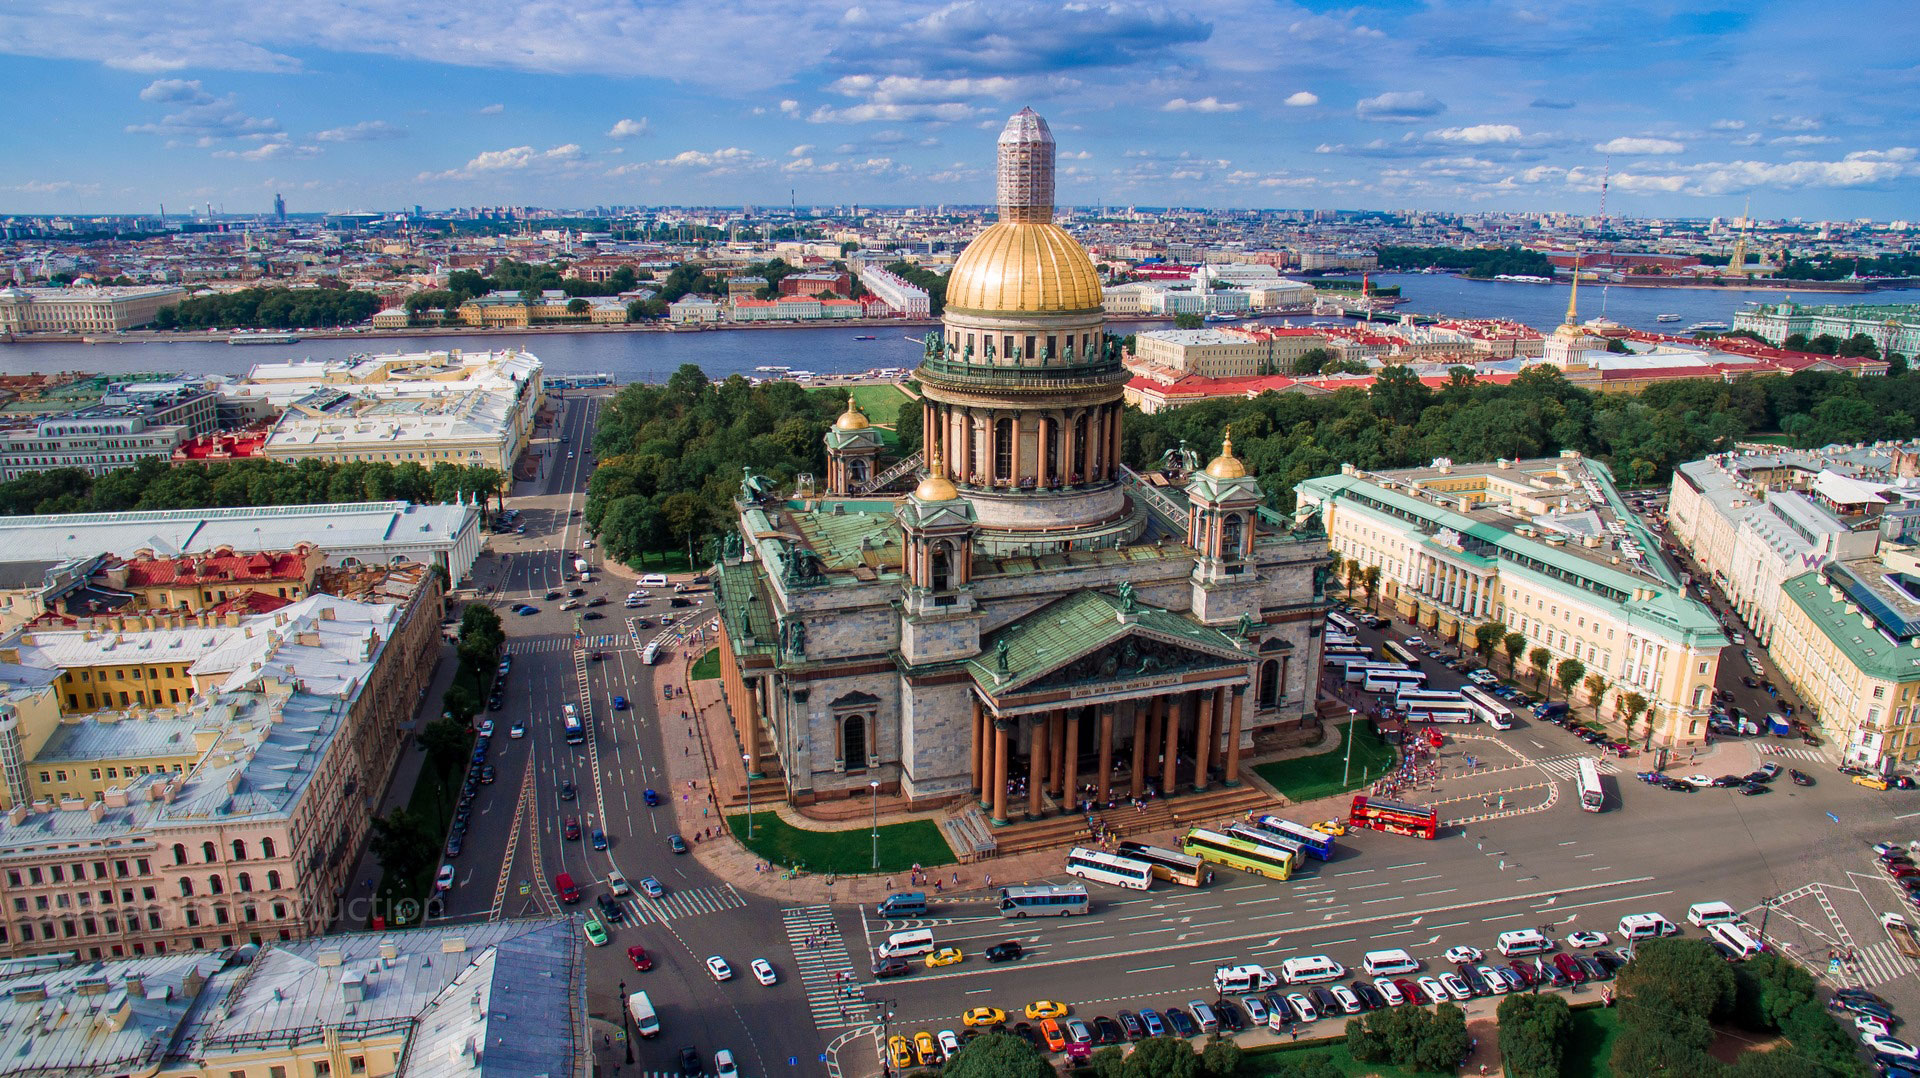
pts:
[1573, 297]
[1226, 465]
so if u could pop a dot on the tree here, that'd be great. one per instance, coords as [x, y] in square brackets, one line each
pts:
[1534, 1030]
[1370, 579]
[1109, 1062]
[1188, 321]
[1354, 572]
[995, 1055]
[1398, 394]
[1633, 704]
[1767, 989]
[1568, 674]
[1695, 977]
[1516, 645]
[577, 306]
[1220, 1058]
[404, 844]
[1312, 361]
[445, 741]
[1163, 1057]
[1486, 637]
[1596, 685]
[906, 426]
[1540, 659]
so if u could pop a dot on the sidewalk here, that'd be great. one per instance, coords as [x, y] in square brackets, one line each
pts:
[406, 772]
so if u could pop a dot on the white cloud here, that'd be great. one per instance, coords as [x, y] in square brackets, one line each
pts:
[871, 112]
[1205, 104]
[801, 150]
[1628, 145]
[1729, 125]
[203, 119]
[278, 149]
[1399, 106]
[1802, 140]
[901, 89]
[790, 107]
[732, 159]
[627, 128]
[171, 91]
[494, 109]
[364, 131]
[1797, 123]
[1478, 134]
[1301, 99]
[512, 159]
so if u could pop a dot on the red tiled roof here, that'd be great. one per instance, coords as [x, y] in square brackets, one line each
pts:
[195, 569]
[252, 602]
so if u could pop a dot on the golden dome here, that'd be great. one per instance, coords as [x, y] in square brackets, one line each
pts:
[936, 488]
[853, 418]
[1226, 465]
[1024, 266]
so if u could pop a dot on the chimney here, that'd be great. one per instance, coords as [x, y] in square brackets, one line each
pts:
[328, 958]
[353, 986]
[389, 951]
[136, 985]
[453, 945]
[97, 810]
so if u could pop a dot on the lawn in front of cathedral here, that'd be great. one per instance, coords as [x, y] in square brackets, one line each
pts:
[845, 852]
[1305, 778]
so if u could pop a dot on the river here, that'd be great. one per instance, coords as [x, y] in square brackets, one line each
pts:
[652, 356]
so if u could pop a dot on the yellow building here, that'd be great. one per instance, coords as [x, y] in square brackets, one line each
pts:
[1545, 548]
[1847, 636]
[194, 582]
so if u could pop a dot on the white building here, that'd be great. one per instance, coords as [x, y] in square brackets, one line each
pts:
[84, 309]
[907, 299]
[694, 310]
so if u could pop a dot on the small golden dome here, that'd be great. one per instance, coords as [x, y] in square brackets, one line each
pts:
[936, 488]
[853, 418]
[1024, 266]
[1226, 465]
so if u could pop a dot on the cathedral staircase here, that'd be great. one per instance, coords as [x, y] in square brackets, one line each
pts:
[904, 466]
[1161, 815]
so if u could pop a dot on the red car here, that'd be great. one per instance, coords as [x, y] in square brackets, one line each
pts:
[1897, 871]
[638, 956]
[1566, 964]
[571, 830]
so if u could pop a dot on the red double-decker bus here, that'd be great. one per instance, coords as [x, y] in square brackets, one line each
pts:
[1394, 817]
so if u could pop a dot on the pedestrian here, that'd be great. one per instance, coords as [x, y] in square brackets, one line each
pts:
[989, 879]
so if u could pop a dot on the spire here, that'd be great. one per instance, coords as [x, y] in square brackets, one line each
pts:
[1226, 465]
[1573, 297]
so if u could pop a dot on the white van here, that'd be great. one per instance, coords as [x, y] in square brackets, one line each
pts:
[1736, 937]
[1383, 963]
[1646, 926]
[653, 580]
[1242, 979]
[1702, 914]
[908, 944]
[1523, 941]
[646, 1021]
[1309, 968]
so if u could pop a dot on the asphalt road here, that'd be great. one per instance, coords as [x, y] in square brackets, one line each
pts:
[1536, 861]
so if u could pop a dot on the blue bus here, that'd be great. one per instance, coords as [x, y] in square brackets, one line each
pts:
[1317, 844]
[570, 715]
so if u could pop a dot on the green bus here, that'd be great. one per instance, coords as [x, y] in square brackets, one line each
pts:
[1238, 853]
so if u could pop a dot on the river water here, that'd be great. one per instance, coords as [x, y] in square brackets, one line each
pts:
[652, 356]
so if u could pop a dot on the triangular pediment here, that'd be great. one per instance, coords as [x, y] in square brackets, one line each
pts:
[1136, 655]
[1078, 638]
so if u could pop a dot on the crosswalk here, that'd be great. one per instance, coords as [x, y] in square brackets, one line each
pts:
[834, 992]
[1568, 767]
[1794, 752]
[678, 904]
[1882, 962]
[536, 645]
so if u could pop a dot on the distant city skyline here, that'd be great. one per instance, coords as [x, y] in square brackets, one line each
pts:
[117, 107]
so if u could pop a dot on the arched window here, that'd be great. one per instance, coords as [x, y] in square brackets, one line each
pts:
[239, 849]
[1230, 537]
[207, 851]
[942, 567]
[179, 853]
[1003, 449]
[245, 880]
[853, 742]
[216, 885]
[186, 887]
[1270, 683]
[1050, 461]
[273, 879]
[266, 847]
[1080, 448]
[857, 470]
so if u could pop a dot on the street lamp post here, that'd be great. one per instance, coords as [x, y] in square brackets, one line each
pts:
[1346, 770]
[747, 763]
[874, 785]
[626, 1028]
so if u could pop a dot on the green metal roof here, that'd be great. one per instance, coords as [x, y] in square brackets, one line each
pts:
[1071, 627]
[845, 540]
[740, 594]
[1852, 633]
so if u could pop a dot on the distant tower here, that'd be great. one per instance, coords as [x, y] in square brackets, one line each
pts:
[1222, 501]
[1569, 341]
[1026, 169]
[279, 210]
[1737, 263]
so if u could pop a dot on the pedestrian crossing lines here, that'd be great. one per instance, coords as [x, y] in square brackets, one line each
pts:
[832, 983]
[539, 645]
[678, 904]
[1794, 752]
[1568, 767]
[607, 640]
[1882, 962]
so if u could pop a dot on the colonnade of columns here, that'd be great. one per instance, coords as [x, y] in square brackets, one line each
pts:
[1450, 585]
[970, 440]
[1188, 732]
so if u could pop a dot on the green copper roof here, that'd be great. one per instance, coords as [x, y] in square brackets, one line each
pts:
[1852, 633]
[741, 596]
[1075, 625]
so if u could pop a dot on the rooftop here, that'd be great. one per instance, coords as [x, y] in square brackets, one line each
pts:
[347, 526]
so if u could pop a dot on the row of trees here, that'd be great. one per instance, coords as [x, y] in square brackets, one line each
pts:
[1003, 1055]
[1675, 990]
[1474, 261]
[271, 308]
[155, 484]
[1412, 1037]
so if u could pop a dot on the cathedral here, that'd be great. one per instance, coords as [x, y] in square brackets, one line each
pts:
[1034, 618]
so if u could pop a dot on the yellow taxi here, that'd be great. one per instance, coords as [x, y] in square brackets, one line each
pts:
[945, 956]
[900, 1050]
[924, 1047]
[1045, 1008]
[1871, 782]
[984, 1016]
[1331, 827]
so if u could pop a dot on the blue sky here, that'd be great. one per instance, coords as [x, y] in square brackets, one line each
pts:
[1809, 109]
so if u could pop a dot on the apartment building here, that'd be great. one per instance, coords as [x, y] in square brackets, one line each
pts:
[1546, 548]
[85, 309]
[1216, 353]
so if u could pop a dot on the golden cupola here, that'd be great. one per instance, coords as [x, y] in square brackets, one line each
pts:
[1226, 465]
[853, 418]
[1024, 263]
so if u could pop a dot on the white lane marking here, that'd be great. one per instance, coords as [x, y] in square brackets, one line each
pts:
[1148, 969]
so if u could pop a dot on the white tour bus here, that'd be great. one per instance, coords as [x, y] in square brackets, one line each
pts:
[1392, 680]
[1387, 962]
[1487, 708]
[1746, 944]
[1102, 867]
[1587, 781]
[1646, 926]
[1432, 705]
[1357, 668]
[1341, 622]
